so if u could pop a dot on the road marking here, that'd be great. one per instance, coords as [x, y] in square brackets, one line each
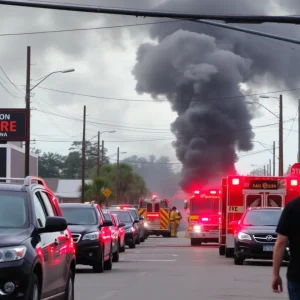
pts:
[107, 295]
[151, 260]
[174, 255]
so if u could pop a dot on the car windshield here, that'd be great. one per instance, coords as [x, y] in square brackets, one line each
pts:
[13, 210]
[124, 216]
[80, 216]
[116, 219]
[262, 218]
[107, 216]
[133, 213]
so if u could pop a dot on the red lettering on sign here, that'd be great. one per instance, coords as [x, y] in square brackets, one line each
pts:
[8, 126]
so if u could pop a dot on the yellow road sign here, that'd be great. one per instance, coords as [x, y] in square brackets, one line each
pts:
[107, 192]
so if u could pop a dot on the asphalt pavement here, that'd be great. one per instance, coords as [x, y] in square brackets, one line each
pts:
[169, 268]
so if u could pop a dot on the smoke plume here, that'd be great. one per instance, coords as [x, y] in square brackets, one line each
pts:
[194, 66]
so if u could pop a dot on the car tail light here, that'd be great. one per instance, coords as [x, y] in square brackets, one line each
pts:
[204, 219]
[294, 182]
[235, 181]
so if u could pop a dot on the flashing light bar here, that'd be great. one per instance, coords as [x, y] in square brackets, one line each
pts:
[294, 182]
[235, 181]
[213, 192]
[153, 196]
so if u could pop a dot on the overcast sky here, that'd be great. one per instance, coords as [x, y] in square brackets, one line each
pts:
[104, 60]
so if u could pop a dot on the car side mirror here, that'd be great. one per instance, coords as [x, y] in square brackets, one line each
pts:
[54, 224]
[141, 218]
[107, 223]
[136, 221]
[121, 225]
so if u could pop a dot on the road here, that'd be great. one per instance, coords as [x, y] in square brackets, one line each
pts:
[169, 268]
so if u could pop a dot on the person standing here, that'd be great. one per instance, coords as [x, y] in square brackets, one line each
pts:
[288, 231]
[173, 224]
[178, 217]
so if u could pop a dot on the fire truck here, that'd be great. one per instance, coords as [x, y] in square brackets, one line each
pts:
[203, 221]
[241, 192]
[156, 213]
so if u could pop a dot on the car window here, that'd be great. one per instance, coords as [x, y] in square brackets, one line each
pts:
[101, 215]
[40, 211]
[262, 218]
[80, 216]
[134, 213]
[13, 210]
[47, 203]
[116, 220]
[124, 216]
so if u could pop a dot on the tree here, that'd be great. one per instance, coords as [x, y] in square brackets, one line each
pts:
[93, 190]
[257, 172]
[51, 165]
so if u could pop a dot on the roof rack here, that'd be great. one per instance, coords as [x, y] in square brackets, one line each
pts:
[26, 181]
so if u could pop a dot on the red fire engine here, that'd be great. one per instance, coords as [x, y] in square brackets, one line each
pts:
[240, 192]
[204, 216]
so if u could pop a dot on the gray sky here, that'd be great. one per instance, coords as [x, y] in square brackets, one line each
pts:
[104, 60]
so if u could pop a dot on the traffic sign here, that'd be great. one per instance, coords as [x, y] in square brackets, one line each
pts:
[295, 169]
[107, 192]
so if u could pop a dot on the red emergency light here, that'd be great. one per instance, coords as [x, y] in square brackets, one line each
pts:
[213, 192]
[197, 192]
[204, 219]
[235, 181]
[294, 182]
[153, 196]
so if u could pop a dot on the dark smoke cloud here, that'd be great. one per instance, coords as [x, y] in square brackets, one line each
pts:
[195, 66]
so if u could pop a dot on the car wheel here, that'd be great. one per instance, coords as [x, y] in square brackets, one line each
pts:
[132, 245]
[69, 295]
[238, 261]
[122, 249]
[109, 262]
[221, 250]
[138, 240]
[35, 289]
[99, 266]
[142, 239]
[116, 255]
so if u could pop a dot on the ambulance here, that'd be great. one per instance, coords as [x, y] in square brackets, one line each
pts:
[203, 221]
[241, 192]
[156, 213]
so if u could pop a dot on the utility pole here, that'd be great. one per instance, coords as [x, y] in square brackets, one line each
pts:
[280, 166]
[274, 158]
[27, 103]
[264, 170]
[102, 152]
[118, 175]
[299, 130]
[83, 156]
[270, 167]
[98, 155]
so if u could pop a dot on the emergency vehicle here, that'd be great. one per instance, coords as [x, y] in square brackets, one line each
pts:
[241, 192]
[156, 213]
[203, 221]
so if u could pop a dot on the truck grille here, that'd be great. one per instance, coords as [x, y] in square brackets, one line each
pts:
[265, 238]
[76, 237]
[210, 227]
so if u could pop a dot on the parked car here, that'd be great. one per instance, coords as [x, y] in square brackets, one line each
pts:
[91, 235]
[131, 234]
[116, 240]
[255, 234]
[140, 226]
[121, 232]
[37, 256]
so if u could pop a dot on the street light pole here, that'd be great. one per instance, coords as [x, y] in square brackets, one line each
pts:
[280, 171]
[118, 175]
[98, 155]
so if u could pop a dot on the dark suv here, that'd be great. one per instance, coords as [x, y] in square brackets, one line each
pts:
[91, 235]
[37, 255]
[255, 234]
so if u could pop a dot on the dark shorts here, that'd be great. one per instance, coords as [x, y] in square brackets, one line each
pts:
[294, 290]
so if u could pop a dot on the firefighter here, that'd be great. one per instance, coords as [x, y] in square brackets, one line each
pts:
[175, 218]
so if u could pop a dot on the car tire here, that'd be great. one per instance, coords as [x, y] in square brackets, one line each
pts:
[116, 255]
[222, 250]
[69, 294]
[35, 288]
[109, 262]
[138, 240]
[99, 266]
[142, 239]
[132, 245]
[122, 249]
[238, 261]
[229, 252]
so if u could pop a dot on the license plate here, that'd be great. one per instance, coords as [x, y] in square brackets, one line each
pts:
[268, 248]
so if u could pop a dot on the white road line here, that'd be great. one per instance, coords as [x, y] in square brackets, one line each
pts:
[151, 260]
[107, 295]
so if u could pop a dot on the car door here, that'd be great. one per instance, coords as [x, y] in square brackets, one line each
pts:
[114, 231]
[106, 233]
[47, 246]
[60, 254]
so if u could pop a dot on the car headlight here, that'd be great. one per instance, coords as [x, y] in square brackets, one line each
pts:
[244, 236]
[91, 236]
[12, 253]
[197, 228]
[145, 224]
